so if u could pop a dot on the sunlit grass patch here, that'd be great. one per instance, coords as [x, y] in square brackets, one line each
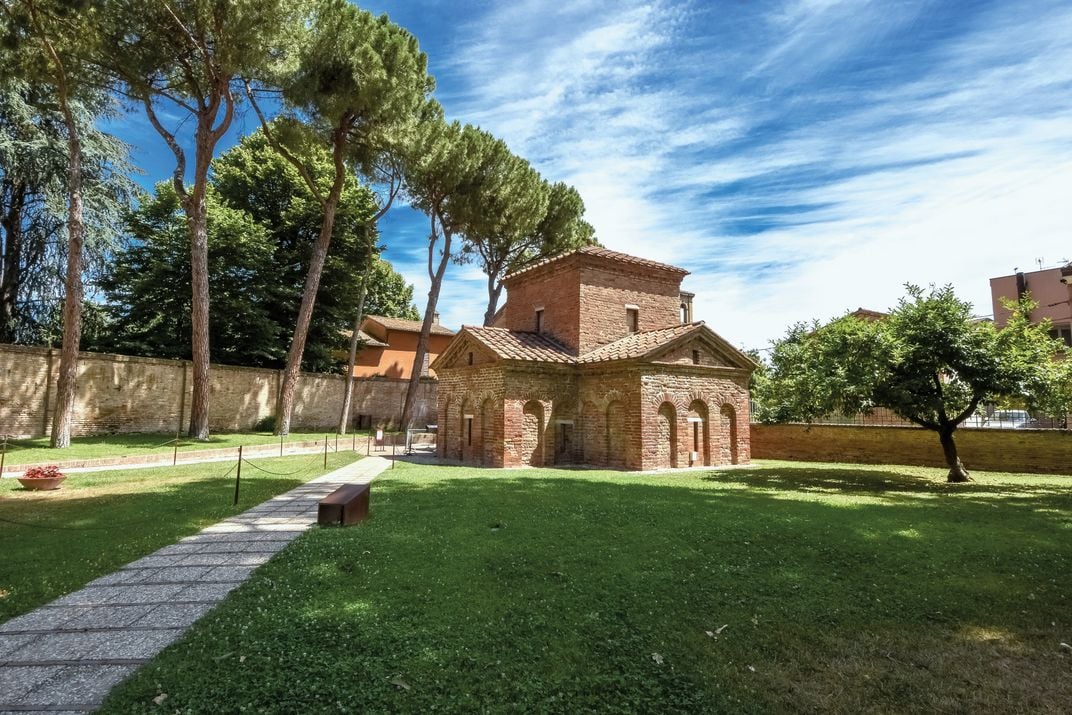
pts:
[788, 587]
[52, 543]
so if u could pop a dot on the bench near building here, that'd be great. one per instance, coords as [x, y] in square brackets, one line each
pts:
[594, 359]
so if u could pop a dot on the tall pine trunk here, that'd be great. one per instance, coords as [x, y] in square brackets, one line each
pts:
[305, 313]
[72, 302]
[426, 328]
[494, 291]
[348, 391]
[197, 224]
[957, 472]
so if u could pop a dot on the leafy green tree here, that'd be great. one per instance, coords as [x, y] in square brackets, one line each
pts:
[257, 179]
[189, 56]
[149, 293]
[357, 81]
[262, 214]
[929, 362]
[388, 293]
[33, 179]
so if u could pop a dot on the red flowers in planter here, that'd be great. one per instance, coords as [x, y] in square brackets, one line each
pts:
[49, 471]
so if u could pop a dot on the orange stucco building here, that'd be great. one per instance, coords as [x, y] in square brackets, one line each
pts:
[390, 344]
[1051, 288]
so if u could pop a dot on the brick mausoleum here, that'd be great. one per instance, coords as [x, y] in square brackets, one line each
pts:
[594, 359]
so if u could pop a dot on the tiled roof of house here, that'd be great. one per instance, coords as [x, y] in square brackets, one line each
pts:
[407, 326]
[605, 253]
[366, 339]
[516, 345]
[865, 314]
[638, 344]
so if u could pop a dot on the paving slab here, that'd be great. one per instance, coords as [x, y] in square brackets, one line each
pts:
[67, 655]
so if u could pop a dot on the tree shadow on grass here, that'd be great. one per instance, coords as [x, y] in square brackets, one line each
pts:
[555, 591]
[888, 481]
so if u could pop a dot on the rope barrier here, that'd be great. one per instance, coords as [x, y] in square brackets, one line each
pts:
[283, 474]
[310, 464]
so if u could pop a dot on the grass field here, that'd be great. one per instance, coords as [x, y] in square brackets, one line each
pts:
[789, 587]
[52, 543]
[33, 451]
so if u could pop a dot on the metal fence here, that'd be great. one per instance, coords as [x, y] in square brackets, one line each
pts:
[985, 417]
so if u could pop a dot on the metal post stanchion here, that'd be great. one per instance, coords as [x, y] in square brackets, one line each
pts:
[238, 475]
[325, 452]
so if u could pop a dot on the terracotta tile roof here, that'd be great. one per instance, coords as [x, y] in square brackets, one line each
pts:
[604, 253]
[517, 345]
[366, 339]
[865, 314]
[638, 344]
[407, 326]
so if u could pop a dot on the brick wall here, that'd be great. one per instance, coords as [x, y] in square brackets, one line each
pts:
[720, 400]
[612, 413]
[119, 393]
[584, 304]
[455, 398]
[605, 291]
[1036, 451]
[555, 288]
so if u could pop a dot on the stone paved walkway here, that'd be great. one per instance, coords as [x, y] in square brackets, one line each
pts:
[66, 656]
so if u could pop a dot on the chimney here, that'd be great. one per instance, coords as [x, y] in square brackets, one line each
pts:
[686, 307]
[435, 319]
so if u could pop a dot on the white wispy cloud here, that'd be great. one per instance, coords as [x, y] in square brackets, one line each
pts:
[801, 161]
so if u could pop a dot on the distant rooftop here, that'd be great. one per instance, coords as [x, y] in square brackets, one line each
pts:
[366, 339]
[866, 314]
[407, 326]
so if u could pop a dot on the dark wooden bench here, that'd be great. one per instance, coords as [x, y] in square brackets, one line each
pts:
[349, 504]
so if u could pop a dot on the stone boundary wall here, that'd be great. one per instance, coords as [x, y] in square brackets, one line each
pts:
[999, 450]
[121, 393]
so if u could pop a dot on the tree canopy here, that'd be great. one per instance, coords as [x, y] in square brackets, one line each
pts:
[33, 188]
[929, 361]
[518, 219]
[263, 216]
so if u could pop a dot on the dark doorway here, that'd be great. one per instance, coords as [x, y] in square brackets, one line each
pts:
[564, 443]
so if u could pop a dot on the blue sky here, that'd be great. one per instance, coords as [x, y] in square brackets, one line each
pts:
[801, 158]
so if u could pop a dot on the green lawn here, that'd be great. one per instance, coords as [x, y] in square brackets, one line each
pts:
[31, 451]
[52, 543]
[790, 587]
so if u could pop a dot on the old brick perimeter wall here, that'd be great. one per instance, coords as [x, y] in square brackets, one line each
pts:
[119, 393]
[1013, 450]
